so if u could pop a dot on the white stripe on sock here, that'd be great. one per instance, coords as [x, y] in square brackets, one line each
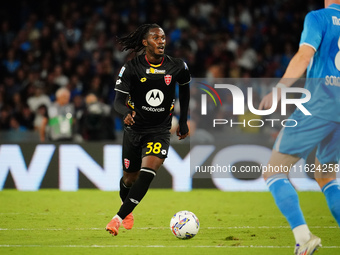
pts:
[274, 178]
[148, 171]
[119, 218]
[333, 184]
[270, 183]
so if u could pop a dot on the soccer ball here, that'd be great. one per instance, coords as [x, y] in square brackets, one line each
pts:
[184, 225]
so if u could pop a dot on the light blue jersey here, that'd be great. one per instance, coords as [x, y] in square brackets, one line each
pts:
[322, 32]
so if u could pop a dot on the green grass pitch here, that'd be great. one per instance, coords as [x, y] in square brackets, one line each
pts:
[55, 222]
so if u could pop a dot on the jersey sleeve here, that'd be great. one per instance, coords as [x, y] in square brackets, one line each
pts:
[123, 83]
[184, 75]
[312, 31]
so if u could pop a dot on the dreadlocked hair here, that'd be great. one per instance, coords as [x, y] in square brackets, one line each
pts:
[134, 40]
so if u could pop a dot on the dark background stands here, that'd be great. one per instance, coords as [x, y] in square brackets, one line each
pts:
[45, 45]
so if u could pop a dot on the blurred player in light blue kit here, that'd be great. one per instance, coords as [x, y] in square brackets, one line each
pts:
[319, 53]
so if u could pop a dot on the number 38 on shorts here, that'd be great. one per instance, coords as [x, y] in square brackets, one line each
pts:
[155, 149]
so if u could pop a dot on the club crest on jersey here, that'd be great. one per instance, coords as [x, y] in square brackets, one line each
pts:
[167, 79]
[126, 163]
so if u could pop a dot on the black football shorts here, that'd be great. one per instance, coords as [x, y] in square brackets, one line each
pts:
[138, 145]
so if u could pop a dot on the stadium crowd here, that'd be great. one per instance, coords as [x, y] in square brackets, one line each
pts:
[46, 45]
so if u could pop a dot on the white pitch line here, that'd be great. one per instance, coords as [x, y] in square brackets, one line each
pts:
[156, 228]
[152, 246]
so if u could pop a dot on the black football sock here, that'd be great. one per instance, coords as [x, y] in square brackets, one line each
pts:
[137, 192]
[124, 190]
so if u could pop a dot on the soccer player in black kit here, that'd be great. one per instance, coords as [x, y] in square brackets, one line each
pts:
[145, 96]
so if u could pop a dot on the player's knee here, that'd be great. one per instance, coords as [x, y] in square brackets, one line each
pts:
[152, 162]
[130, 178]
[128, 181]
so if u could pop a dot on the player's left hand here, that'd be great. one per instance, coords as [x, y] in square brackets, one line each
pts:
[182, 131]
[128, 120]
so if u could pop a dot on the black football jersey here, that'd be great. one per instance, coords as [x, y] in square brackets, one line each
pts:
[151, 89]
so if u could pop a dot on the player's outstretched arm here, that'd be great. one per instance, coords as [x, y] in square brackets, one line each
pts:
[296, 68]
[184, 98]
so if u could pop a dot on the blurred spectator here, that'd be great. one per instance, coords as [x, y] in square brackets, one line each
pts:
[59, 77]
[11, 87]
[50, 86]
[202, 9]
[4, 118]
[75, 86]
[45, 68]
[58, 126]
[45, 39]
[17, 103]
[31, 62]
[26, 117]
[96, 121]
[95, 86]
[40, 114]
[15, 124]
[39, 98]
[11, 63]
[21, 77]
[6, 35]
[71, 33]
[88, 40]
